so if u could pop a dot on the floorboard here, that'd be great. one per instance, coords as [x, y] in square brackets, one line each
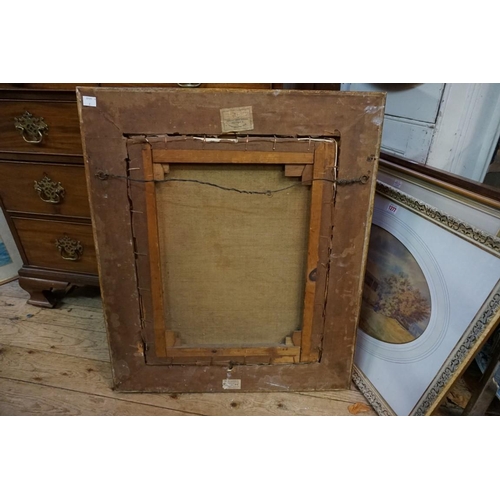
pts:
[22, 398]
[56, 362]
[77, 342]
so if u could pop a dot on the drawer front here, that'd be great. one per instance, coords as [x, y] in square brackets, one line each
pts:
[42, 127]
[39, 237]
[44, 189]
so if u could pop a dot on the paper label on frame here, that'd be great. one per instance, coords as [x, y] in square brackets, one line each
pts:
[236, 119]
[88, 100]
[392, 208]
[231, 383]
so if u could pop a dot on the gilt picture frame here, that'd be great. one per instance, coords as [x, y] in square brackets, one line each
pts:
[431, 294]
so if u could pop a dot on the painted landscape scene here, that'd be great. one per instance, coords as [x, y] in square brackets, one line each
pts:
[396, 305]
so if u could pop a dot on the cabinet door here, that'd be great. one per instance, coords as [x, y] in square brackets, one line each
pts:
[413, 101]
[410, 116]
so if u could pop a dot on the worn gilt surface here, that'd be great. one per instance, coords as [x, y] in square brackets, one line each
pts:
[447, 221]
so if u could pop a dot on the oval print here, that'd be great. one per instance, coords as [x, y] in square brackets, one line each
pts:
[396, 305]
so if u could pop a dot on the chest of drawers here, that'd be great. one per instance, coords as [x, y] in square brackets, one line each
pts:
[43, 191]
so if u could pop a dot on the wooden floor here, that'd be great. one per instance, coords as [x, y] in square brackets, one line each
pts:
[56, 362]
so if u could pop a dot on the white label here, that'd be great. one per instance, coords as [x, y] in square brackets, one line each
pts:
[89, 101]
[398, 183]
[392, 208]
[236, 119]
[234, 383]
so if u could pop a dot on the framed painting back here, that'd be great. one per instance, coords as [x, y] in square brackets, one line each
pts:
[231, 229]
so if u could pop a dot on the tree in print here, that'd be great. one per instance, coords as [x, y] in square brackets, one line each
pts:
[398, 299]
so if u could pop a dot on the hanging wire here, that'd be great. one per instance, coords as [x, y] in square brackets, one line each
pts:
[268, 192]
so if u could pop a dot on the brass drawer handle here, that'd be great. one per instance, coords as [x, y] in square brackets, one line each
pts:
[69, 249]
[31, 128]
[189, 85]
[49, 191]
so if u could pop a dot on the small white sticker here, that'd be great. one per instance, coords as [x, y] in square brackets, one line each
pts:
[392, 208]
[229, 383]
[398, 183]
[89, 101]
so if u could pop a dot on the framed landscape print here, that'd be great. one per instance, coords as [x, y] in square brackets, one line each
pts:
[431, 298]
[10, 260]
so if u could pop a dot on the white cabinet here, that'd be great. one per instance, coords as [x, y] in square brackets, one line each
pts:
[452, 126]
[406, 138]
[414, 101]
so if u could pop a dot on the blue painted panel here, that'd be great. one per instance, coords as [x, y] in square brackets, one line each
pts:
[4, 255]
